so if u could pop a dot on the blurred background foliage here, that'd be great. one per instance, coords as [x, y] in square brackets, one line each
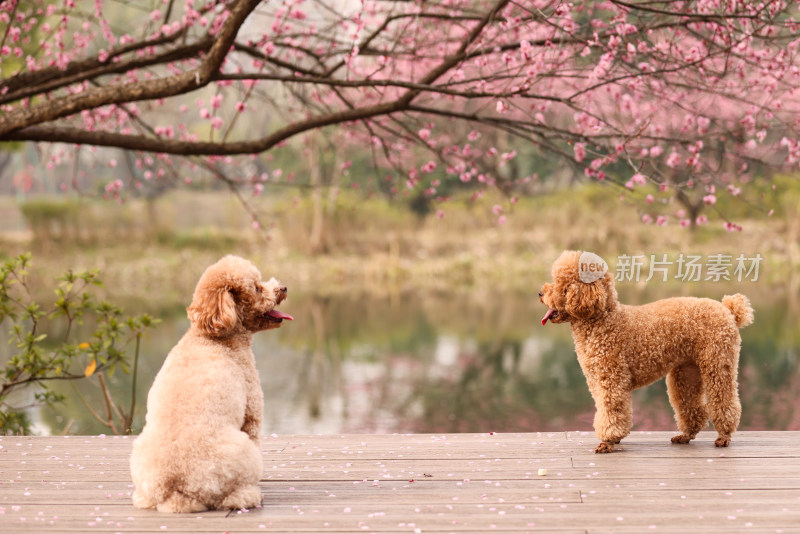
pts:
[408, 321]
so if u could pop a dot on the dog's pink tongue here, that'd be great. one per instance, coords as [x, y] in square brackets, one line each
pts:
[547, 316]
[275, 314]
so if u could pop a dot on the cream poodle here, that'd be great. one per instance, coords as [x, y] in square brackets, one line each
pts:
[200, 447]
[693, 341]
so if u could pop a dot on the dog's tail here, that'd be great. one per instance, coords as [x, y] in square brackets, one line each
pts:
[739, 305]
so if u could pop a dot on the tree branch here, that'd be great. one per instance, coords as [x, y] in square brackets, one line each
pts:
[57, 134]
[117, 94]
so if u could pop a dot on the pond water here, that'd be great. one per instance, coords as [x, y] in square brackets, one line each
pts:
[474, 362]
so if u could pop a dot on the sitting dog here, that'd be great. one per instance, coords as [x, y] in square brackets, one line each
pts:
[200, 447]
[693, 341]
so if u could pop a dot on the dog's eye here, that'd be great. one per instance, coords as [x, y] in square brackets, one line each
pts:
[258, 288]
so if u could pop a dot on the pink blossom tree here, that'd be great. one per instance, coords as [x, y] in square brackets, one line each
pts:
[679, 101]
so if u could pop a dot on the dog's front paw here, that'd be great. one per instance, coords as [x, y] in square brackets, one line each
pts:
[604, 447]
[682, 438]
[722, 441]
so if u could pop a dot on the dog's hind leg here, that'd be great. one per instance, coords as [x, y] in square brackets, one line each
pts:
[179, 503]
[141, 500]
[686, 395]
[722, 394]
[242, 497]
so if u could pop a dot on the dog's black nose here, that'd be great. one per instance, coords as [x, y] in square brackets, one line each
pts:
[541, 294]
[284, 290]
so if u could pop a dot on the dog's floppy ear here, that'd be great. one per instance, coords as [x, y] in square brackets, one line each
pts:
[213, 310]
[584, 300]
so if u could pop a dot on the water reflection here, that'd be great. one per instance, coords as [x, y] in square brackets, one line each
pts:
[454, 363]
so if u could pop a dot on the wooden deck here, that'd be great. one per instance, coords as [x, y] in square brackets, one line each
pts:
[462, 483]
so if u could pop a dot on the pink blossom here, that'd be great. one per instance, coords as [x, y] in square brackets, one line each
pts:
[526, 49]
[204, 113]
[424, 134]
[656, 151]
[508, 156]
[673, 160]
[473, 135]
[217, 123]
[735, 191]
[580, 151]
[439, 214]
[649, 199]
[647, 219]
[636, 179]
[240, 106]
[501, 220]
[701, 220]
[497, 209]
[502, 106]
[113, 186]
[685, 223]
[710, 200]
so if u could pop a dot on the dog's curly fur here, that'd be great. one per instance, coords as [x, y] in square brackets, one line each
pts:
[693, 341]
[200, 447]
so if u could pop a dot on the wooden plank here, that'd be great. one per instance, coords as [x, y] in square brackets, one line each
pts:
[437, 517]
[477, 483]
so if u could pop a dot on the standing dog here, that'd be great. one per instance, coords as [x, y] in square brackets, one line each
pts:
[200, 447]
[693, 341]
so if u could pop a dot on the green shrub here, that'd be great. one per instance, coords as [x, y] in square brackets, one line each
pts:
[37, 360]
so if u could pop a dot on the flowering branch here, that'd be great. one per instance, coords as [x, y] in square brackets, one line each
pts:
[702, 90]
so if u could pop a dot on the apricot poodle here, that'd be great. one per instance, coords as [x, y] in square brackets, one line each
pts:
[693, 341]
[200, 447]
